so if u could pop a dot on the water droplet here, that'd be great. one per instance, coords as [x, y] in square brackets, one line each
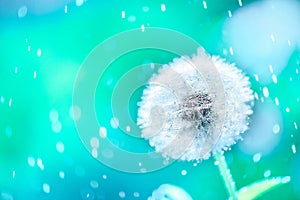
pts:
[53, 115]
[39, 52]
[94, 184]
[231, 51]
[10, 102]
[60, 147]
[274, 78]
[256, 157]
[40, 164]
[295, 125]
[272, 37]
[102, 132]
[79, 2]
[271, 68]
[22, 11]
[31, 161]
[163, 7]
[240, 3]
[183, 172]
[229, 13]
[123, 14]
[46, 188]
[104, 176]
[294, 149]
[143, 27]
[114, 122]
[136, 194]
[66, 9]
[56, 126]
[122, 194]
[94, 152]
[276, 128]
[131, 18]
[61, 174]
[276, 101]
[267, 173]
[204, 5]
[75, 112]
[94, 142]
[287, 109]
[266, 92]
[87, 194]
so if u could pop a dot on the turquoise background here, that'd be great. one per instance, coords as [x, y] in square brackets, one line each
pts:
[65, 41]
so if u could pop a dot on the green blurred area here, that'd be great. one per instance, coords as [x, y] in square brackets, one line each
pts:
[65, 40]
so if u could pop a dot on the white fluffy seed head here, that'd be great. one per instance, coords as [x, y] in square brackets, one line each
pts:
[179, 111]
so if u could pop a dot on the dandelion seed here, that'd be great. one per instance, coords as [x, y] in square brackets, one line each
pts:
[171, 115]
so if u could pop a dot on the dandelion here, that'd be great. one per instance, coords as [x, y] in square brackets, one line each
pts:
[183, 116]
[179, 113]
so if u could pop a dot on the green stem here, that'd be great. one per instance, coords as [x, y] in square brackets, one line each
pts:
[226, 175]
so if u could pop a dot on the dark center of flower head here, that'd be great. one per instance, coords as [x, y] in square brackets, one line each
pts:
[197, 108]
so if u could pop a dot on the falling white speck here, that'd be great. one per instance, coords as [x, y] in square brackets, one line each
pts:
[94, 142]
[10, 102]
[136, 194]
[291, 78]
[39, 52]
[297, 71]
[262, 99]
[13, 175]
[56, 126]
[60, 147]
[267, 173]
[2, 99]
[295, 125]
[256, 157]
[287, 109]
[240, 3]
[256, 77]
[122, 194]
[34, 75]
[40, 164]
[256, 96]
[274, 78]
[114, 122]
[28, 48]
[104, 176]
[31, 161]
[75, 112]
[294, 149]
[61, 174]
[66, 9]
[204, 5]
[131, 18]
[289, 43]
[128, 128]
[95, 152]
[94, 184]
[271, 68]
[79, 2]
[163, 7]
[276, 128]
[22, 12]
[229, 13]
[266, 92]
[276, 101]
[16, 70]
[102, 132]
[272, 37]
[123, 15]
[231, 51]
[183, 172]
[53, 115]
[46, 188]
[143, 27]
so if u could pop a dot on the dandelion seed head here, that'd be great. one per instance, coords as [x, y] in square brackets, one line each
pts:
[178, 112]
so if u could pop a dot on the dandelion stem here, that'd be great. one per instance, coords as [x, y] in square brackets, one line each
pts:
[226, 175]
